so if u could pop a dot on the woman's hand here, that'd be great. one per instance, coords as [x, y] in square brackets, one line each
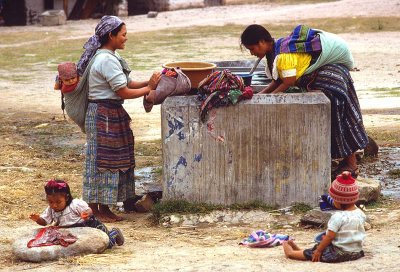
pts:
[286, 83]
[154, 79]
[270, 88]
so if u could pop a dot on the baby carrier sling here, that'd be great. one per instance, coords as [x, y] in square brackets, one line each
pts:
[76, 102]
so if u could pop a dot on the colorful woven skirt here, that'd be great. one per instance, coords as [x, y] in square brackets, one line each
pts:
[333, 254]
[347, 129]
[116, 184]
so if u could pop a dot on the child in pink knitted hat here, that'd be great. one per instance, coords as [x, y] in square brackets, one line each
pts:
[345, 232]
[67, 78]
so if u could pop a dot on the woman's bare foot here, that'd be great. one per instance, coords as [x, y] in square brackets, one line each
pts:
[95, 208]
[106, 212]
[105, 219]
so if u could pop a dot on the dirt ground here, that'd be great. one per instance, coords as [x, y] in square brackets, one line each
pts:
[33, 132]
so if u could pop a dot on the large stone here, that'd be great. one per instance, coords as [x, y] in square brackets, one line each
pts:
[370, 189]
[53, 18]
[320, 219]
[89, 241]
[316, 217]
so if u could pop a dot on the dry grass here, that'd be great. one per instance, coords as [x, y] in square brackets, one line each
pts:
[109, 257]
[32, 154]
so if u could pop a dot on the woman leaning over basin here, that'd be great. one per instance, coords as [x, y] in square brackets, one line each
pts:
[109, 166]
[315, 60]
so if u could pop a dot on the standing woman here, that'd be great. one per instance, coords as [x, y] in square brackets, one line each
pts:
[315, 60]
[109, 167]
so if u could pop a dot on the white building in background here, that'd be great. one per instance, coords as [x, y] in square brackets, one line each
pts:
[82, 9]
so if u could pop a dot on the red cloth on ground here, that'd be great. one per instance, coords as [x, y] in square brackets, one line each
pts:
[50, 236]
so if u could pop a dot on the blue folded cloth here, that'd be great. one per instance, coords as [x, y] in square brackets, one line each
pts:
[326, 203]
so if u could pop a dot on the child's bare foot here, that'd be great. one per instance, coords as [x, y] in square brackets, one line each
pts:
[293, 245]
[287, 248]
[151, 96]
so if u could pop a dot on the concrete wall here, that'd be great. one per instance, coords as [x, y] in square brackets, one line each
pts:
[36, 7]
[273, 148]
[33, 9]
[163, 5]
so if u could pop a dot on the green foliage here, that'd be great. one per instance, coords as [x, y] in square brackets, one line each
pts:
[301, 208]
[148, 148]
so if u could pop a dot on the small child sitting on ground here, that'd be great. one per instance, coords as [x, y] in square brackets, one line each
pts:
[65, 211]
[67, 78]
[345, 234]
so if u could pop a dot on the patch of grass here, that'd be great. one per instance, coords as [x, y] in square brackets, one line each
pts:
[157, 173]
[180, 206]
[149, 50]
[381, 202]
[394, 173]
[148, 148]
[385, 136]
[301, 208]
[185, 207]
[384, 92]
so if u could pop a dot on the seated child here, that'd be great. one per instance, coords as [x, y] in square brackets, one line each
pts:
[345, 234]
[67, 78]
[65, 211]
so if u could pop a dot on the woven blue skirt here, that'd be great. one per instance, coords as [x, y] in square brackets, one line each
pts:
[105, 187]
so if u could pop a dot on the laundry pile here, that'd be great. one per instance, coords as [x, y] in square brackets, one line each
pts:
[221, 88]
[262, 238]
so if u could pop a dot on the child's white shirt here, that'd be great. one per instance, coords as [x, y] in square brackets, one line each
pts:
[349, 229]
[69, 216]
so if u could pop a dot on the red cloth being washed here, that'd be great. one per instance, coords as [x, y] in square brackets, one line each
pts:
[50, 236]
[247, 93]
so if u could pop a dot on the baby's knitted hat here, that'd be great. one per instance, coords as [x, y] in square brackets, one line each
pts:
[344, 189]
[67, 70]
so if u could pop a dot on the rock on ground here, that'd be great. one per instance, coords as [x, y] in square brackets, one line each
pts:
[89, 241]
[370, 189]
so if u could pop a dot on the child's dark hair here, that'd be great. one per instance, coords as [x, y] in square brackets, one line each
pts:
[253, 34]
[345, 206]
[104, 39]
[58, 186]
